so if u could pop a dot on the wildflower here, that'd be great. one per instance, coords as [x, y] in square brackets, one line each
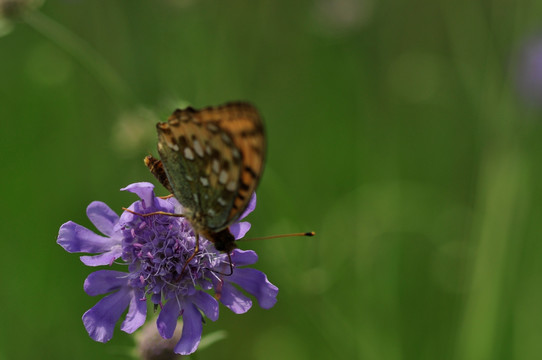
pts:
[155, 249]
[529, 70]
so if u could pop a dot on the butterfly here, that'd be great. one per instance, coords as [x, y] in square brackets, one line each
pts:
[211, 160]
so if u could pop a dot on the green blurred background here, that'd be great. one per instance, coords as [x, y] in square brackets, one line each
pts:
[395, 132]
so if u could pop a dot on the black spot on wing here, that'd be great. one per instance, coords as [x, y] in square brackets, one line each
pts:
[251, 171]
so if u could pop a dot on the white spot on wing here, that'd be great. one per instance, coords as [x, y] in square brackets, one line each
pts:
[189, 178]
[216, 166]
[221, 201]
[212, 127]
[211, 212]
[223, 177]
[175, 147]
[198, 148]
[204, 181]
[188, 153]
[231, 186]
[225, 138]
[196, 198]
[236, 154]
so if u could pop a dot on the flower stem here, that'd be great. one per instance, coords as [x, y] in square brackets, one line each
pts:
[83, 52]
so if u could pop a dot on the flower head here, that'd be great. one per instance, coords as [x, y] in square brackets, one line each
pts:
[529, 70]
[155, 248]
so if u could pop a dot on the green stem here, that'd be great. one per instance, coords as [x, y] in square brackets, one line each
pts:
[83, 52]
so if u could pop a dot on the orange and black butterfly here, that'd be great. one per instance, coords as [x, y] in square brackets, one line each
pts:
[211, 161]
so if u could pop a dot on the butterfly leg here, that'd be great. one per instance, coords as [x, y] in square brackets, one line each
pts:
[218, 289]
[153, 213]
[221, 273]
[166, 197]
[231, 265]
[196, 250]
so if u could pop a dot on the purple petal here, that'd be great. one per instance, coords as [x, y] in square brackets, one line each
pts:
[167, 319]
[166, 205]
[207, 304]
[192, 327]
[179, 209]
[255, 282]
[76, 238]
[250, 207]
[243, 257]
[157, 204]
[144, 190]
[529, 77]
[104, 281]
[136, 313]
[127, 217]
[106, 258]
[100, 320]
[102, 217]
[234, 299]
[240, 229]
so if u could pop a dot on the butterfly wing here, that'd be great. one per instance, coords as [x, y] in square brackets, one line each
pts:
[213, 159]
[157, 169]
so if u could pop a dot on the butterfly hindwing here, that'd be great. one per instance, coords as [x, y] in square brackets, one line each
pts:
[213, 159]
[243, 123]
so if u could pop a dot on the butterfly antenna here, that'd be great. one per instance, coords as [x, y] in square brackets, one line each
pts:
[310, 233]
[154, 213]
[196, 250]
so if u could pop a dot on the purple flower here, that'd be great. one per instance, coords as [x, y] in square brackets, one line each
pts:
[529, 70]
[155, 249]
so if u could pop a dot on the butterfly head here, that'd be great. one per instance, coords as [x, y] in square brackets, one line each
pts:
[223, 240]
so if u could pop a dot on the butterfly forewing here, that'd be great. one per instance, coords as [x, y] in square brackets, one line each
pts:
[213, 159]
